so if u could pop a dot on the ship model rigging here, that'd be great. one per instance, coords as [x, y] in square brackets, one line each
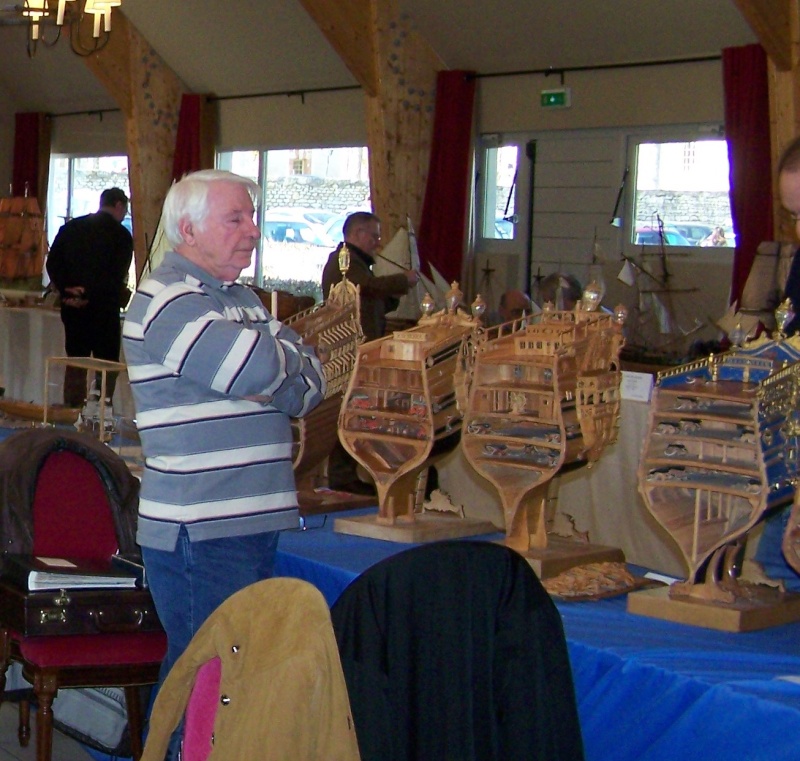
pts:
[541, 393]
[653, 333]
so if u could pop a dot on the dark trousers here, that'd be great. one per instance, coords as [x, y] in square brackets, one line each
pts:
[89, 332]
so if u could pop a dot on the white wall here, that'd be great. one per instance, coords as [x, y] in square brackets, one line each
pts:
[601, 100]
[581, 155]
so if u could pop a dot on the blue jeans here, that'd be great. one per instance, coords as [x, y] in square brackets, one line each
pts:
[190, 582]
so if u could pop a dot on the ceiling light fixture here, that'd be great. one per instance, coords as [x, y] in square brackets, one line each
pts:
[41, 12]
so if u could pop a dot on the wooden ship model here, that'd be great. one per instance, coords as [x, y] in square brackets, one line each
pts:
[400, 414]
[22, 242]
[722, 449]
[333, 328]
[541, 393]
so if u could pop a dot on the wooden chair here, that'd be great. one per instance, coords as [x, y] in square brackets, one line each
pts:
[71, 516]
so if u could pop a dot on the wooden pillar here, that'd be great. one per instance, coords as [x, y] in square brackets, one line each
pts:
[400, 117]
[776, 23]
[149, 94]
[397, 69]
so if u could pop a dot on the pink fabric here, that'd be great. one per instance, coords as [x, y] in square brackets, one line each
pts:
[69, 497]
[201, 711]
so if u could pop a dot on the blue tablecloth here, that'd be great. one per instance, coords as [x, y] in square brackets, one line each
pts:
[648, 690]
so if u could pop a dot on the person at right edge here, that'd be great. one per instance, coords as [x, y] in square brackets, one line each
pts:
[768, 552]
[379, 295]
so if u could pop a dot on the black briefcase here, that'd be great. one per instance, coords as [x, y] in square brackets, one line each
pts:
[76, 611]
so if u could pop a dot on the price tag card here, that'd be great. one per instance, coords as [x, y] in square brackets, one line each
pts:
[637, 387]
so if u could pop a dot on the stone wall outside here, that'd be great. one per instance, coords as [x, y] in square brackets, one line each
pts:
[297, 190]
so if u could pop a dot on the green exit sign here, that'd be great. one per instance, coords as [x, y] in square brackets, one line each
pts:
[560, 98]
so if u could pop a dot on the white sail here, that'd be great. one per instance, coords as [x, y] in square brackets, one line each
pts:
[401, 253]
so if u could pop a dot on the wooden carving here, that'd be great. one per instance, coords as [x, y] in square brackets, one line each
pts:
[722, 449]
[399, 413]
[539, 393]
[334, 330]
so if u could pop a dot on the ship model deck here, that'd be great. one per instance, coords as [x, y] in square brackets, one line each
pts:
[400, 414]
[333, 328]
[542, 393]
[721, 451]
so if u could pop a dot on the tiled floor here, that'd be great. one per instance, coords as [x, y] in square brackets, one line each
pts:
[64, 748]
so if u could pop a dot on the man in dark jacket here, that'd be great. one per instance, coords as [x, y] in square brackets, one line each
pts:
[379, 295]
[88, 263]
[362, 236]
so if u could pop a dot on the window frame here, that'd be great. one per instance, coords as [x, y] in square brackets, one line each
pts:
[485, 198]
[692, 133]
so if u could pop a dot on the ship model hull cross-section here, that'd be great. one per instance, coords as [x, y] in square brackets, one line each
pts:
[399, 416]
[541, 393]
[721, 451]
[333, 328]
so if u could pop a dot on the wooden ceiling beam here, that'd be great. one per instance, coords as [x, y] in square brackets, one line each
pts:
[397, 69]
[771, 22]
[149, 94]
[348, 27]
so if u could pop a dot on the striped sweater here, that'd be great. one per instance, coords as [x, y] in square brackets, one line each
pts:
[215, 380]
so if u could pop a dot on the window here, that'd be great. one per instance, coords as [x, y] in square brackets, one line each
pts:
[76, 183]
[681, 194]
[307, 194]
[74, 189]
[498, 216]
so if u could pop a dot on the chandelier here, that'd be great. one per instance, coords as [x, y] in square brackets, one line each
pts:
[59, 12]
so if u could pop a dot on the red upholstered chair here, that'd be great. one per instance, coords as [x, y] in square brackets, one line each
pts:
[74, 482]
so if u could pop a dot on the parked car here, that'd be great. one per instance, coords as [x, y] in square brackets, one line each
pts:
[333, 228]
[293, 248]
[314, 216]
[284, 228]
[503, 228]
[694, 232]
[651, 236]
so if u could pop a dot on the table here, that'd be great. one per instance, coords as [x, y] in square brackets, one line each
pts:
[647, 690]
[602, 501]
[28, 336]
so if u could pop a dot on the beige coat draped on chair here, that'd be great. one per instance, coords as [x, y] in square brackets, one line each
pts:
[281, 693]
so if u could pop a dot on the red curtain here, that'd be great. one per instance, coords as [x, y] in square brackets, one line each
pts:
[31, 156]
[444, 211]
[747, 130]
[194, 143]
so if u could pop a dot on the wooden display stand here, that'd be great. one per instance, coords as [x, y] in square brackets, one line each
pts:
[400, 414]
[91, 365]
[764, 607]
[423, 528]
[322, 501]
[542, 393]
